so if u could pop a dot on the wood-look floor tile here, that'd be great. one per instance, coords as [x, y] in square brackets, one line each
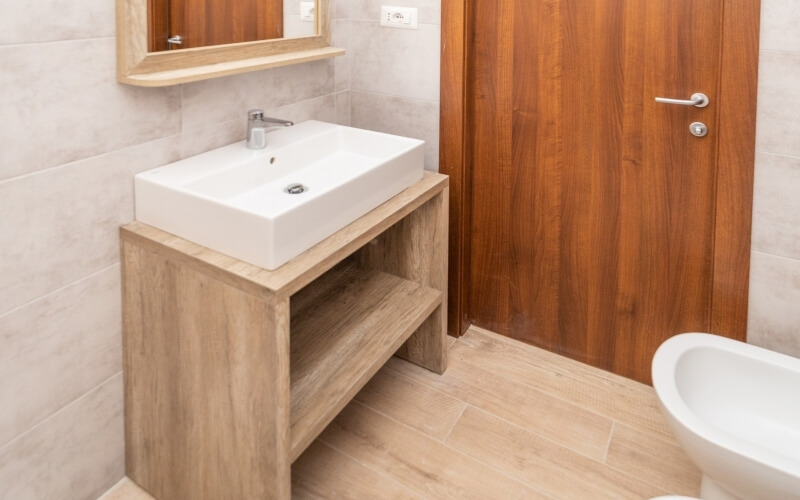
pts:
[126, 490]
[427, 410]
[550, 417]
[654, 460]
[554, 470]
[602, 392]
[416, 461]
[324, 473]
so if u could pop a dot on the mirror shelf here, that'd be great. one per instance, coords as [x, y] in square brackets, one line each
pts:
[137, 66]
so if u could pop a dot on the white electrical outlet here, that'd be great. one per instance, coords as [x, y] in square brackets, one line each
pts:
[307, 11]
[399, 17]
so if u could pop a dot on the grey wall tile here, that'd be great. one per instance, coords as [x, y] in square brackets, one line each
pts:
[778, 126]
[340, 8]
[394, 61]
[78, 453]
[202, 136]
[430, 11]
[776, 205]
[229, 98]
[320, 108]
[780, 25]
[399, 115]
[51, 20]
[343, 107]
[340, 37]
[61, 224]
[774, 315]
[57, 348]
[66, 105]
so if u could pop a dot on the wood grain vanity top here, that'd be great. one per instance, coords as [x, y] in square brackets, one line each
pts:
[300, 271]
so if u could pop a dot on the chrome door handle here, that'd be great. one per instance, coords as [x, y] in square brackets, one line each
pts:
[698, 100]
[175, 40]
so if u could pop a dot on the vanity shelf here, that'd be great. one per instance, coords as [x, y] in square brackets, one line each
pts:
[345, 326]
[232, 370]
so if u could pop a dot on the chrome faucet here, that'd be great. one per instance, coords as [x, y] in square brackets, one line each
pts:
[257, 125]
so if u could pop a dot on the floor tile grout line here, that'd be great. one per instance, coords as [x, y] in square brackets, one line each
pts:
[411, 380]
[625, 473]
[612, 378]
[560, 398]
[367, 466]
[650, 483]
[608, 444]
[477, 459]
[470, 457]
[424, 383]
[57, 412]
[455, 423]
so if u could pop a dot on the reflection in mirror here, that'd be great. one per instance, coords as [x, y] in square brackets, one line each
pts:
[138, 65]
[184, 24]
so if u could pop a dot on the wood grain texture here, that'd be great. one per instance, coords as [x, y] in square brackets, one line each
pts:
[204, 23]
[206, 384]
[345, 326]
[452, 158]
[138, 66]
[612, 396]
[432, 412]
[554, 471]
[736, 152]
[563, 423]
[595, 220]
[306, 267]
[157, 25]
[394, 437]
[658, 462]
[324, 473]
[126, 490]
[427, 467]
[415, 248]
[204, 71]
[210, 375]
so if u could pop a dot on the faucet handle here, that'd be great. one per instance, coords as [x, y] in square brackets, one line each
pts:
[255, 114]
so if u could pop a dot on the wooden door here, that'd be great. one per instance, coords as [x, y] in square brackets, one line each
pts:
[593, 207]
[202, 23]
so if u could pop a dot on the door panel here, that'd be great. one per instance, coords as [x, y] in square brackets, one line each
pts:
[202, 23]
[593, 206]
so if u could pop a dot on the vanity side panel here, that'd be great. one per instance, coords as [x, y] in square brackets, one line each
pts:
[206, 383]
[415, 249]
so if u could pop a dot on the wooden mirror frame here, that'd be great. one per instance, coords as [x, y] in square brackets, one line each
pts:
[137, 66]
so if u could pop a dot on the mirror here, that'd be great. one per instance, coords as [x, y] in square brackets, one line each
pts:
[184, 24]
[138, 65]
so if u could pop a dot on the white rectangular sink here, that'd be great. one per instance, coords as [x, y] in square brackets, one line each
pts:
[234, 200]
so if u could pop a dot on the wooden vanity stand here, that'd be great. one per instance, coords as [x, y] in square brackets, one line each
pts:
[231, 370]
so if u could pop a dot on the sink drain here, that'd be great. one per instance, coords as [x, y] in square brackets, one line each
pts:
[295, 189]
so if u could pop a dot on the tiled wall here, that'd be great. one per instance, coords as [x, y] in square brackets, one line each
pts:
[71, 139]
[774, 316]
[392, 74]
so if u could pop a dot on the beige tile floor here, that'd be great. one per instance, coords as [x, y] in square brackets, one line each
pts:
[505, 421]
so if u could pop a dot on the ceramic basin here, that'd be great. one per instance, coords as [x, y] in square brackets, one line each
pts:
[235, 200]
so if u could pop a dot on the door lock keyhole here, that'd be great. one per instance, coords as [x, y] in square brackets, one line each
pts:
[698, 129]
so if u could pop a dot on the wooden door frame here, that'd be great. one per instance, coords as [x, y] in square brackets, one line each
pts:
[735, 160]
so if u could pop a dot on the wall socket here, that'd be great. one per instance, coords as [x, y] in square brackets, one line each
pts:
[399, 17]
[307, 11]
